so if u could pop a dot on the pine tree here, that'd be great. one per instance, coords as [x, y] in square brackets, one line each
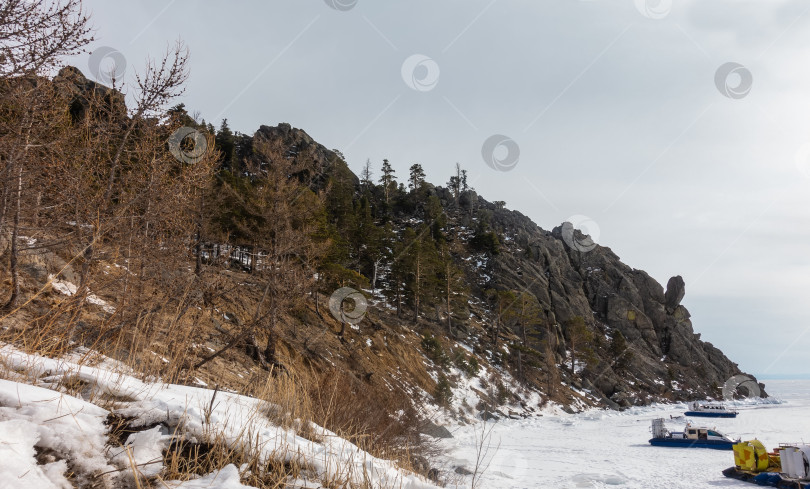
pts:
[387, 180]
[284, 219]
[365, 176]
[380, 251]
[416, 180]
[366, 238]
[225, 144]
[458, 183]
[343, 218]
[484, 239]
[619, 352]
[435, 215]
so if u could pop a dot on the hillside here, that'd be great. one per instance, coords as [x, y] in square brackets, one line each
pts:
[382, 309]
[565, 275]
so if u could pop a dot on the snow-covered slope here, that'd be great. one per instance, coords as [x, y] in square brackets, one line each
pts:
[48, 434]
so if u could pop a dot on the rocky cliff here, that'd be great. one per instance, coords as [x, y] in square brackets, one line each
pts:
[572, 276]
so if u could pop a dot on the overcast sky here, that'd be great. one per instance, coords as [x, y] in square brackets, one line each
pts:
[625, 114]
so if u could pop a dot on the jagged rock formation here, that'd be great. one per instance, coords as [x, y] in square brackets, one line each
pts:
[583, 279]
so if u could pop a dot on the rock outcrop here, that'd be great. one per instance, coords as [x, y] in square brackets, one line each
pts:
[676, 289]
[572, 276]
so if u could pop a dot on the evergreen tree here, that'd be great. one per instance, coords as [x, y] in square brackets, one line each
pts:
[434, 214]
[387, 180]
[416, 180]
[179, 116]
[341, 207]
[225, 144]
[619, 352]
[483, 238]
[380, 251]
[366, 238]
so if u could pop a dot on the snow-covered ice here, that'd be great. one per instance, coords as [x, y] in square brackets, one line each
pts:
[608, 449]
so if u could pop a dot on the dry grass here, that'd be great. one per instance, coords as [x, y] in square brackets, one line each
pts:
[158, 335]
[184, 460]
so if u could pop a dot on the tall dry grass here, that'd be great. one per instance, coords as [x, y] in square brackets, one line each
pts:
[299, 399]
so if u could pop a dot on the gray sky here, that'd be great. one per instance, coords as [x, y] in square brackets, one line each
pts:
[617, 107]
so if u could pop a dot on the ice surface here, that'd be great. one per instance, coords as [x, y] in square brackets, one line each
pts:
[605, 449]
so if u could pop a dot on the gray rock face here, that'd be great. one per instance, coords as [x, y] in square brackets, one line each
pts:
[676, 289]
[570, 277]
[72, 82]
[312, 160]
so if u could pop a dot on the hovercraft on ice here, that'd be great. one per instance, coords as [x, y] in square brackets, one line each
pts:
[710, 410]
[690, 437]
[786, 467]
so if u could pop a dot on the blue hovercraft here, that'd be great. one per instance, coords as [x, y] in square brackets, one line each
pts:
[690, 437]
[710, 410]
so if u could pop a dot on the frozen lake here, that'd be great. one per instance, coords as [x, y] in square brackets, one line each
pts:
[604, 449]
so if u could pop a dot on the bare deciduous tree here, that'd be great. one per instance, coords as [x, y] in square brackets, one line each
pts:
[36, 34]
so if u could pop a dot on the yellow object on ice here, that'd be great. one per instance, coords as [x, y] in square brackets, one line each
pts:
[775, 462]
[751, 455]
